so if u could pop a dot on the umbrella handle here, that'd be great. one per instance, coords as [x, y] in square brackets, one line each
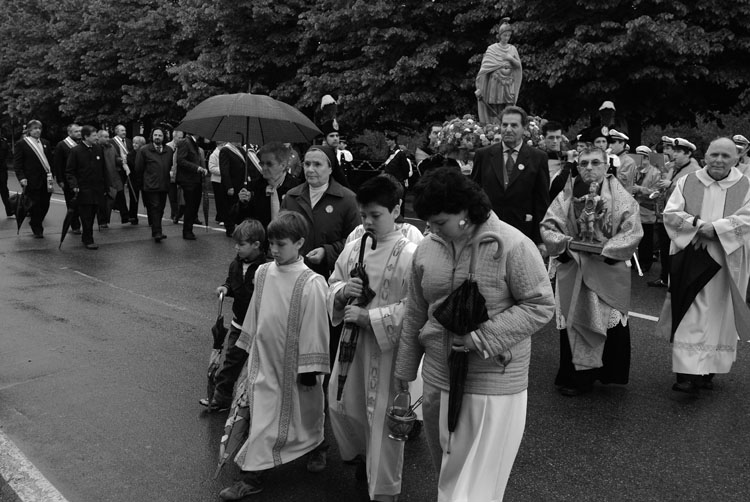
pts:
[475, 248]
[221, 302]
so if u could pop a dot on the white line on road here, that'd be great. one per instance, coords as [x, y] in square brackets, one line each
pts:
[24, 479]
[139, 295]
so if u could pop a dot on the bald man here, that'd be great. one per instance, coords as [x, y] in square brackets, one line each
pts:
[710, 209]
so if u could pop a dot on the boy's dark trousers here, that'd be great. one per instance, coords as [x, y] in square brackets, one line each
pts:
[234, 360]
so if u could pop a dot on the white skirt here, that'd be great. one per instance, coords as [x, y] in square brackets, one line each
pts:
[482, 448]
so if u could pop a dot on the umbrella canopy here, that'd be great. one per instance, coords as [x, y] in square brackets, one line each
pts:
[250, 118]
[350, 333]
[690, 270]
[23, 205]
[237, 427]
[460, 313]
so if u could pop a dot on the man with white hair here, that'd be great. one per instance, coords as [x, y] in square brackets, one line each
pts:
[710, 210]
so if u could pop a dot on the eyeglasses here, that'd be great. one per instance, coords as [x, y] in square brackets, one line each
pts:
[593, 163]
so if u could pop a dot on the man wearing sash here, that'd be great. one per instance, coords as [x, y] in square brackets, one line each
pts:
[710, 209]
[124, 148]
[236, 173]
[60, 160]
[31, 161]
[593, 289]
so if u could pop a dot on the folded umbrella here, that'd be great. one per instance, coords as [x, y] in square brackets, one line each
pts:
[218, 334]
[237, 427]
[690, 270]
[70, 216]
[23, 206]
[461, 313]
[350, 333]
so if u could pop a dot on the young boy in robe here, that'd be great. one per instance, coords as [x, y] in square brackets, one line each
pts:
[358, 415]
[249, 242]
[286, 336]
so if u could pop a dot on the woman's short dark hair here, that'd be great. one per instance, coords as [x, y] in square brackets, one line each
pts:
[279, 151]
[379, 190]
[446, 190]
[288, 225]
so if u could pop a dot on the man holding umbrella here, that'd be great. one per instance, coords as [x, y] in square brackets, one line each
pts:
[86, 174]
[708, 217]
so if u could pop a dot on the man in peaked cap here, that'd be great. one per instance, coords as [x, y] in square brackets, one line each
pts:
[743, 146]
[627, 169]
[330, 130]
[683, 164]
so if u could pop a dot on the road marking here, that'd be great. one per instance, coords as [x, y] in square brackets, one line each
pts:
[131, 292]
[643, 316]
[24, 479]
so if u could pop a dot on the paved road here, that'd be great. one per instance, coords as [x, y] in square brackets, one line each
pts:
[102, 360]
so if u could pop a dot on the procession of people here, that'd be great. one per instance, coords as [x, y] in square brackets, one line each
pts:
[340, 305]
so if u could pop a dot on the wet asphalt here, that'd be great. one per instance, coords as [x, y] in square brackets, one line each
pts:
[103, 357]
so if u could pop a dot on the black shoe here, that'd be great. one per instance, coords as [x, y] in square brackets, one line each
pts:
[104, 225]
[688, 387]
[658, 283]
[76, 231]
[38, 235]
[158, 238]
[574, 391]
[175, 220]
[240, 490]
[189, 236]
[219, 405]
[197, 222]
[133, 221]
[91, 246]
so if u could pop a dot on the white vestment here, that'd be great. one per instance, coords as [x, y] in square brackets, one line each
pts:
[706, 339]
[285, 334]
[358, 419]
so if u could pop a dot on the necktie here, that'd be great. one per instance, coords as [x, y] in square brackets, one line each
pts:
[275, 204]
[509, 164]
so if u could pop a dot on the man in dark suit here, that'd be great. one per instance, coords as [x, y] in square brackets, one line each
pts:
[124, 150]
[31, 162]
[190, 173]
[86, 175]
[60, 161]
[4, 194]
[515, 176]
[236, 174]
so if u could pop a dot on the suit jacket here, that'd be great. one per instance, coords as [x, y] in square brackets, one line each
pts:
[120, 153]
[60, 160]
[526, 199]
[189, 160]
[28, 166]
[259, 205]
[87, 171]
[152, 168]
[236, 171]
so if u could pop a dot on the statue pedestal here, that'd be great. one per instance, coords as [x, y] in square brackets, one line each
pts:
[586, 247]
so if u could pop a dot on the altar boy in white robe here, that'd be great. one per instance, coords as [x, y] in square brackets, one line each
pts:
[710, 209]
[286, 336]
[358, 415]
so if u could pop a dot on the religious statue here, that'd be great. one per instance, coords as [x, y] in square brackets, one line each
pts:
[499, 79]
[592, 210]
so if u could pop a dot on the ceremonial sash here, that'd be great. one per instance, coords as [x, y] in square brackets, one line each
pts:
[39, 153]
[70, 142]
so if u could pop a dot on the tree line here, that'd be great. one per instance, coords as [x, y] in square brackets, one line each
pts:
[408, 62]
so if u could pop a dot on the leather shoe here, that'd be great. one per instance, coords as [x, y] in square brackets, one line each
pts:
[189, 237]
[574, 391]
[133, 221]
[688, 387]
[91, 246]
[76, 231]
[240, 490]
[658, 283]
[197, 222]
[38, 235]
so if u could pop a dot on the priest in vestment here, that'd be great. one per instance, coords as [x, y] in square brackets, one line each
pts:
[358, 418]
[592, 294]
[710, 209]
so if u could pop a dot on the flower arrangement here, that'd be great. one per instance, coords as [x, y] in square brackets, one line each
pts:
[533, 132]
[460, 134]
[492, 134]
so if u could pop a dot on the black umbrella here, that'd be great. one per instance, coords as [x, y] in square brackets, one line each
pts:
[461, 313]
[70, 216]
[258, 118]
[350, 333]
[23, 206]
[218, 334]
[689, 272]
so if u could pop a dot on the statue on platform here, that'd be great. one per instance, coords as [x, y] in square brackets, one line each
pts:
[499, 79]
[592, 210]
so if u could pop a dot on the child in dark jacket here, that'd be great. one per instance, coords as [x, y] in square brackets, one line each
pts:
[249, 238]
